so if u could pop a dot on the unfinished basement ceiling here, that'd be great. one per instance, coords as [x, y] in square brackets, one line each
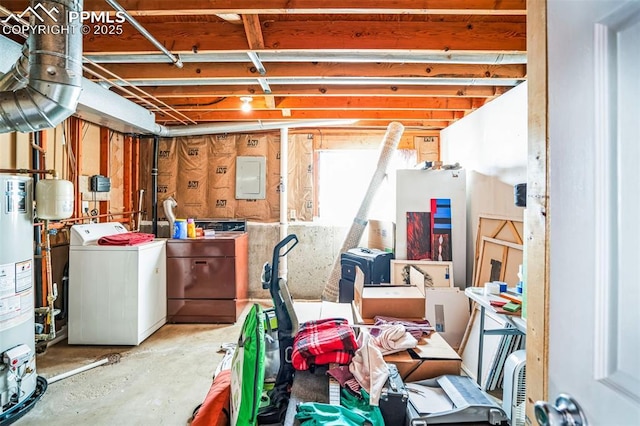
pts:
[423, 63]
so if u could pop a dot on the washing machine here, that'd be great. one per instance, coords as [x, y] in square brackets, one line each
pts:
[117, 294]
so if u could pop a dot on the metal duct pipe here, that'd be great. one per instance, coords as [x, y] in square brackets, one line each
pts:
[55, 72]
[18, 75]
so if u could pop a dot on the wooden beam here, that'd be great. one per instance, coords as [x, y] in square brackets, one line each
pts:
[330, 103]
[380, 103]
[253, 31]
[319, 90]
[536, 238]
[127, 174]
[192, 71]
[419, 115]
[437, 36]
[199, 7]
[75, 141]
[135, 172]
[105, 167]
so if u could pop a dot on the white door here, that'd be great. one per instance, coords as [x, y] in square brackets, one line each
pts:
[594, 206]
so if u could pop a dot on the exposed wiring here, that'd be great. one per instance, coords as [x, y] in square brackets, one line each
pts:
[217, 101]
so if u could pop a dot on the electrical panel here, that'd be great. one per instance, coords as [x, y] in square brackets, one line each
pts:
[100, 183]
[251, 178]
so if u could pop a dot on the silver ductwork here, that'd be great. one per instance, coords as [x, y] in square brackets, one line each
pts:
[54, 70]
[18, 75]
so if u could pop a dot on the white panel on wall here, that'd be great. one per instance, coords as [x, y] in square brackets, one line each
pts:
[251, 178]
[415, 189]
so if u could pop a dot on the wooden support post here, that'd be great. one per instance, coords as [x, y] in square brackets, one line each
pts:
[105, 167]
[127, 184]
[75, 166]
[135, 178]
[537, 229]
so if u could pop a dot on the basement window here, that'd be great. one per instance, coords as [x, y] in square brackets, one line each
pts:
[344, 177]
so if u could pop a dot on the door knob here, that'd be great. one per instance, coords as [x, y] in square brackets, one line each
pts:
[565, 412]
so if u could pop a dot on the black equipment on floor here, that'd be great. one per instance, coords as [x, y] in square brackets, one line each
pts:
[374, 263]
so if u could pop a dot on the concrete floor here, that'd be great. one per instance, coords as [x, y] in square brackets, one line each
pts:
[159, 382]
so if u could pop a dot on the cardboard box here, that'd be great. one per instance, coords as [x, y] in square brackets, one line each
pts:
[448, 312]
[382, 235]
[309, 311]
[432, 357]
[393, 301]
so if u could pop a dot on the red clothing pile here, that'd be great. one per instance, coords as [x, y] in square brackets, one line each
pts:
[126, 239]
[323, 342]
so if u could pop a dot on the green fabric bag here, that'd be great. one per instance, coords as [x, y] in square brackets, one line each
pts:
[247, 369]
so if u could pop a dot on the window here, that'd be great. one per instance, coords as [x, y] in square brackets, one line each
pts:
[344, 177]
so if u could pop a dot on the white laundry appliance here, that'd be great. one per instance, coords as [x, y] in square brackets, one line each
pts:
[117, 294]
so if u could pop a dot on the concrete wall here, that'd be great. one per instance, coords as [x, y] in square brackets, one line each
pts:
[309, 263]
[491, 144]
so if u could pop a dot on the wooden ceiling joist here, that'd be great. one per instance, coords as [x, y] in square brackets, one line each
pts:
[325, 35]
[264, 7]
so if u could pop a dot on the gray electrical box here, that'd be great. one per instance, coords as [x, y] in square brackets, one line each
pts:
[251, 177]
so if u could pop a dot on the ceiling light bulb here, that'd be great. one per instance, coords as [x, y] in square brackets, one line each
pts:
[246, 103]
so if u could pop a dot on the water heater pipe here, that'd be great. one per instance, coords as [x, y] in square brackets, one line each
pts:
[31, 171]
[52, 291]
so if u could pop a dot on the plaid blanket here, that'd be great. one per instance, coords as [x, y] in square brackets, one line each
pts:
[323, 342]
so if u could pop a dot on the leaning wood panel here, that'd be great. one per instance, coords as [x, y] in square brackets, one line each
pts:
[508, 254]
[498, 227]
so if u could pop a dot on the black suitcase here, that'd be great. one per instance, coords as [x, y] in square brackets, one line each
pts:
[375, 264]
[394, 398]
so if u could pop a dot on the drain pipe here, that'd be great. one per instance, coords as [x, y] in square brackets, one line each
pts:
[284, 182]
[142, 30]
[55, 73]
[110, 359]
[36, 148]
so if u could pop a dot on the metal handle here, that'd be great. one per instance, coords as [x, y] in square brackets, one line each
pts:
[565, 412]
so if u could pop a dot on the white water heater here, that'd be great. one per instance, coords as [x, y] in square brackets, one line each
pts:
[18, 377]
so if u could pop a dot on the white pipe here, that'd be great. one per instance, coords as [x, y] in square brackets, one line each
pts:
[284, 182]
[243, 126]
[78, 370]
[169, 204]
